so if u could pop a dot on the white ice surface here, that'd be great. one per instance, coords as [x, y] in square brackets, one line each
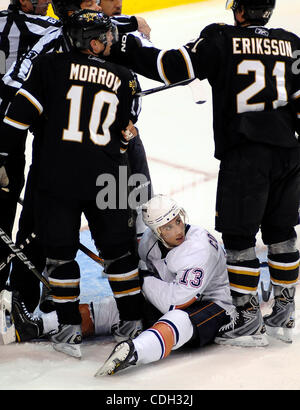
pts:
[176, 132]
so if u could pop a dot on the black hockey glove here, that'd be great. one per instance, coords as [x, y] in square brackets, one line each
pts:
[4, 181]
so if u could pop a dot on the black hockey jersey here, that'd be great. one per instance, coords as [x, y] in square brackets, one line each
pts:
[252, 71]
[86, 102]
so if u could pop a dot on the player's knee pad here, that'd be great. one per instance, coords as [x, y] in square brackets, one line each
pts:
[174, 329]
[240, 256]
[288, 246]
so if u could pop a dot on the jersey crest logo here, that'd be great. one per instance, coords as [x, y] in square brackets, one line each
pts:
[133, 86]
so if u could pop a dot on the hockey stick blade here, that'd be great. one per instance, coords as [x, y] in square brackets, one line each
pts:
[167, 87]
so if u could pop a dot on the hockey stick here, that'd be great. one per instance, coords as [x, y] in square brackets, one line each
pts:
[82, 248]
[13, 255]
[23, 258]
[167, 87]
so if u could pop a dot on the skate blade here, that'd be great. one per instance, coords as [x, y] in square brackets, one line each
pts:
[7, 331]
[244, 341]
[114, 361]
[68, 349]
[280, 333]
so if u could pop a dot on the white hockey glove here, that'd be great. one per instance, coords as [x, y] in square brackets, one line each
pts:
[4, 181]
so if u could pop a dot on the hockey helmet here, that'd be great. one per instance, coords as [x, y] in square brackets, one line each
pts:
[258, 11]
[86, 25]
[61, 7]
[160, 210]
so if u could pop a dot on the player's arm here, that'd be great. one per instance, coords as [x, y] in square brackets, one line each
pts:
[128, 24]
[24, 110]
[18, 72]
[189, 266]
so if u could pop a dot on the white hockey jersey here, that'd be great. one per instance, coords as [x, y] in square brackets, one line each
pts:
[196, 268]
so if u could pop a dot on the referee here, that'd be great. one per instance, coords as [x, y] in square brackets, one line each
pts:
[21, 26]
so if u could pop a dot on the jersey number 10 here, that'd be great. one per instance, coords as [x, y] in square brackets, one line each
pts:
[73, 133]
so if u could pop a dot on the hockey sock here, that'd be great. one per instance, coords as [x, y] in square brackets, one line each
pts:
[123, 277]
[284, 268]
[172, 331]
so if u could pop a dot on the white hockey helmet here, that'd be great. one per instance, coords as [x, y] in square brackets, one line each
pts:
[160, 210]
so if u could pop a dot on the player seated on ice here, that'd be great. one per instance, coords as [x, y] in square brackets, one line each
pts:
[185, 278]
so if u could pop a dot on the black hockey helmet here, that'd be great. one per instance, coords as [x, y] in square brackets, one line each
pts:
[256, 11]
[61, 7]
[86, 25]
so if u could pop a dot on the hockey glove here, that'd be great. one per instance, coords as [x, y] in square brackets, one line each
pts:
[4, 181]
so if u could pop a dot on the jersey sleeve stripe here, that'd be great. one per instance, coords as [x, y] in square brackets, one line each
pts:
[189, 65]
[160, 68]
[16, 124]
[32, 100]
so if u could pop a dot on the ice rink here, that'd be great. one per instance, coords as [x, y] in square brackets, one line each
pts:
[177, 135]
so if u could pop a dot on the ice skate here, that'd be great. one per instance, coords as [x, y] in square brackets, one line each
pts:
[246, 327]
[127, 329]
[27, 326]
[67, 340]
[280, 322]
[123, 356]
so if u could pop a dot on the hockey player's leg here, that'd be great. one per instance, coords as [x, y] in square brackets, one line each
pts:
[283, 261]
[172, 331]
[246, 327]
[113, 231]
[123, 277]
[64, 279]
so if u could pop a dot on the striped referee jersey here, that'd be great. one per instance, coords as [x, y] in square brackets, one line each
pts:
[19, 32]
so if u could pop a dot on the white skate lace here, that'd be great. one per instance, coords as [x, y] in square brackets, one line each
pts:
[234, 317]
[27, 314]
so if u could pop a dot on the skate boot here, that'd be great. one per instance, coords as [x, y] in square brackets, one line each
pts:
[67, 340]
[280, 322]
[127, 329]
[27, 326]
[246, 327]
[7, 328]
[123, 356]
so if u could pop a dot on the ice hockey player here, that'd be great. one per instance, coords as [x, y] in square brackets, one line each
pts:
[256, 109]
[185, 278]
[21, 26]
[56, 41]
[70, 81]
